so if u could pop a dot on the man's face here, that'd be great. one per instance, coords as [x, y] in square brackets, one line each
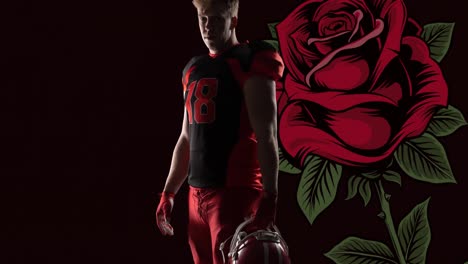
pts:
[215, 26]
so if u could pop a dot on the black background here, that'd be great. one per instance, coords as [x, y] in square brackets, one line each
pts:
[91, 107]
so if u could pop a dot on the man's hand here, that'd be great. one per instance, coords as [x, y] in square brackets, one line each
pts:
[163, 213]
[266, 213]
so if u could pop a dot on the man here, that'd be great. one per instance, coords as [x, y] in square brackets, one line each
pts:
[228, 144]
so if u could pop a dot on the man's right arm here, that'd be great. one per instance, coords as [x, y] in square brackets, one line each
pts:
[180, 160]
[177, 176]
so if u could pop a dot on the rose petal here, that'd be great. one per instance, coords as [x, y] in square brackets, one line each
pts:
[358, 16]
[300, 138]
[344, 73]
[296, 29]
[293, 33]
[381, 7]
[344, 20]
[281, 97]
[328, 44]
[327, 38]
[430, 87]
[394, 13]
[394, 82]
[331, 42]
[332, 100]
[412, 28]
[336, 6]
[355, 44]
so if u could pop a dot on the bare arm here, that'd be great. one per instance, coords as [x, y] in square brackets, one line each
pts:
[180, 160]
[260, 98]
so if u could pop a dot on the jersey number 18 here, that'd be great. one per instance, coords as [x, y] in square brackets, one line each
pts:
[204, 108]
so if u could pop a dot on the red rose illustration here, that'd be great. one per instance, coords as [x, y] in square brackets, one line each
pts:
[359, 80]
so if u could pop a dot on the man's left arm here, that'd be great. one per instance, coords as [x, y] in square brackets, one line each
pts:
[260, 100]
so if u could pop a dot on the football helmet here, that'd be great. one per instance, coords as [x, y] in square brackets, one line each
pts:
[258, 247]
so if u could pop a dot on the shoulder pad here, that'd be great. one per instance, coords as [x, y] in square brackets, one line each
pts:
[191, 63]
[260, 45]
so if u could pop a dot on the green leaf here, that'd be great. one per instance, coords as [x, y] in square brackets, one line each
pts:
[446, 121]
[424, 159]
[390, 163]
[392, 176]
[284, 164]
[318, 185]
[354, 250]
[372, 174]
[415, 234]
[365, 191]
[272, 28]
[353, 184]
[438, 37]
[274, 43]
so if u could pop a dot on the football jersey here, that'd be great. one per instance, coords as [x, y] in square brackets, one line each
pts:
[223, 146]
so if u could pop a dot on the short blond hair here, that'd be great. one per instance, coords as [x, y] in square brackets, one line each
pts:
[232, 6]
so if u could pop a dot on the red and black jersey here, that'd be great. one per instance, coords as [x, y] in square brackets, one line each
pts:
[223, 147]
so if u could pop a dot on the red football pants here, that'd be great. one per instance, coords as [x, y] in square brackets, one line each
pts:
[214, 215]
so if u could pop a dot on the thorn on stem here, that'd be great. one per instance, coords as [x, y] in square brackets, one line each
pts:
[387, 196]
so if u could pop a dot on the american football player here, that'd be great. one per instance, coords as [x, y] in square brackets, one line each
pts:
[228, 146]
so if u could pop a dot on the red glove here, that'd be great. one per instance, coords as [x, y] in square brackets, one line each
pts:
[163, 213]
[266, 213]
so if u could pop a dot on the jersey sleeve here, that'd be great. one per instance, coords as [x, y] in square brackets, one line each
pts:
[266, 61]
[189, 67]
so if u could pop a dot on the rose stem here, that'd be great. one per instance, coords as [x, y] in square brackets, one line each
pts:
[389, 223]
